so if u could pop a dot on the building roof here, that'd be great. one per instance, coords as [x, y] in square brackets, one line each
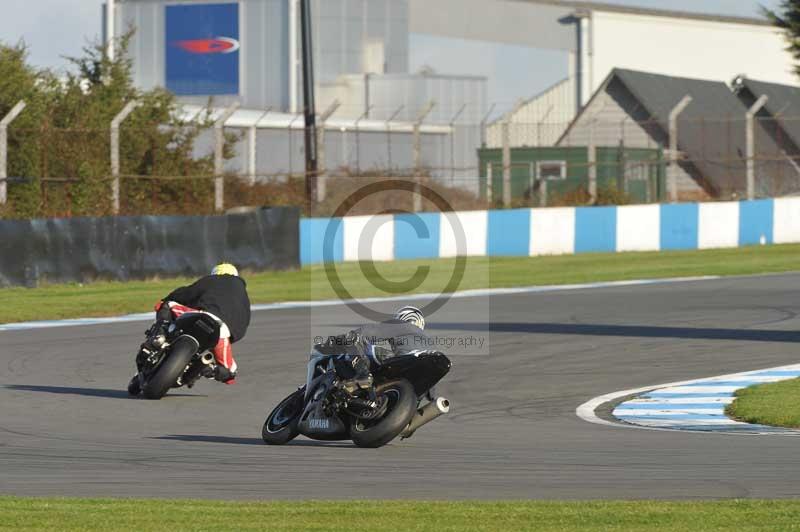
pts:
[527, 101]
[630, 10]
[711, 130]
[783, 103]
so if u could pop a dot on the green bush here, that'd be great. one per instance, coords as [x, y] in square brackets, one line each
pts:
[59, 147]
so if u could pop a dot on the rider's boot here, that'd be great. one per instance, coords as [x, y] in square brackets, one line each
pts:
[224, 375]
[207, 372]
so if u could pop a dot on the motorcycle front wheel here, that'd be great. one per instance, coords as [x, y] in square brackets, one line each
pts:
[281, 424]
[401, 405]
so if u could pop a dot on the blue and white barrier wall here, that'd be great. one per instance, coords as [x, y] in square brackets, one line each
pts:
[551, 231]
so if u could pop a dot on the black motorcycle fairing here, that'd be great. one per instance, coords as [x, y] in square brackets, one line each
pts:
[199, 326]
[422, 370]
[315, 422]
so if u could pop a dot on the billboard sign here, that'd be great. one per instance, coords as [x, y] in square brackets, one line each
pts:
[202, 47]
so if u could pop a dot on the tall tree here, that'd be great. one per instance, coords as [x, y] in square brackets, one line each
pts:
[787, 17]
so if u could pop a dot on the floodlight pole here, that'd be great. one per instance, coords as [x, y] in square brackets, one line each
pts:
[751, 145]
[309, 106]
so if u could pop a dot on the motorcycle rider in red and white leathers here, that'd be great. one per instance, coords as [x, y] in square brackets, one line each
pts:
[223, 296]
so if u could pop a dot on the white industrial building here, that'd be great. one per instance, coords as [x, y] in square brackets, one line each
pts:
[606, 37]
[361, 55]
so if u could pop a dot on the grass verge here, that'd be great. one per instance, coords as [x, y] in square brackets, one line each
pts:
[114, 298]
[774, 403]
[143, 515]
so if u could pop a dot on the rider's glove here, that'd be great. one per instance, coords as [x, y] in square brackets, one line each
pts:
[164, 313]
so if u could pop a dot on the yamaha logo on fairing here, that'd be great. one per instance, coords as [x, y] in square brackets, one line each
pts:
[318, 423]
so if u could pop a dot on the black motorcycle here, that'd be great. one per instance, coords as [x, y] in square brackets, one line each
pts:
[334, 404]
[175, 355]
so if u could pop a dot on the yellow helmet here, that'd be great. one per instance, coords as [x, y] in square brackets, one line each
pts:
[226, 268]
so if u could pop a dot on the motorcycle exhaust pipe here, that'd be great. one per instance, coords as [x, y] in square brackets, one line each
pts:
[207, 359]
[425, 415]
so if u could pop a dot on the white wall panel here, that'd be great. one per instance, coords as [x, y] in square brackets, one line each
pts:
[639, 228]
[688, 48]
[718, 225]
[552, 231]
[474, 225]
[369, 238]
[786, 220]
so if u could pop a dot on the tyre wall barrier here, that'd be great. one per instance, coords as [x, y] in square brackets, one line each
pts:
[551, 231]
[139, 247]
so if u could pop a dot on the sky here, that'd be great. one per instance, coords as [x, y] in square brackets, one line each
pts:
[56, 28]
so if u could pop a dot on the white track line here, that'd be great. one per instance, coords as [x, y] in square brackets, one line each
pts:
[333, 302]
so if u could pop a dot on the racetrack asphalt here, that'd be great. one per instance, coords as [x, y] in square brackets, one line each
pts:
[68, 428]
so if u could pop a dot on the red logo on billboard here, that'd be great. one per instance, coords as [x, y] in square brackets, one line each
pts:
[218, 45]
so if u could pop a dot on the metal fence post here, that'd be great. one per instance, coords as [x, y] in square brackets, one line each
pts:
[291, 144]
[453, 143]
[506, 162]
[364, 115]
[219, 131]
[543, 193]
[12, 114]
[115, 123]
[531, 178]
[489, 179]
[751, 145]
[252, 145]
[591, 157]
[418, 153]
[506, 133]
[322, 179]
[483, 124]
[389, 137]
[672, 177]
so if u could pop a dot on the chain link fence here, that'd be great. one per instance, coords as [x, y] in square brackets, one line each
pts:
[56, 172]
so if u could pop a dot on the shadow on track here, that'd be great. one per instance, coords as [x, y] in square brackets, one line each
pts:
[249, 441]
[637, 331]
[86, 392]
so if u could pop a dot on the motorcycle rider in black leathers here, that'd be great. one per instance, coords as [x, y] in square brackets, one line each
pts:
[403, 334]
[223, 295]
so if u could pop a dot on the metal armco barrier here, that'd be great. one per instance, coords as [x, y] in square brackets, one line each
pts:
[140, 247]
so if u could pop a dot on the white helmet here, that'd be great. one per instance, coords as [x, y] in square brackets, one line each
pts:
[411, 315]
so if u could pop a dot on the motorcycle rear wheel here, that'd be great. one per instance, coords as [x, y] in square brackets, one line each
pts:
[401, 408]
[166, 375]
[281, 424]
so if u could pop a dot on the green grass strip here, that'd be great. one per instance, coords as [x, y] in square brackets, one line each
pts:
[143, 515]
[60, 301]
[774, 403]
